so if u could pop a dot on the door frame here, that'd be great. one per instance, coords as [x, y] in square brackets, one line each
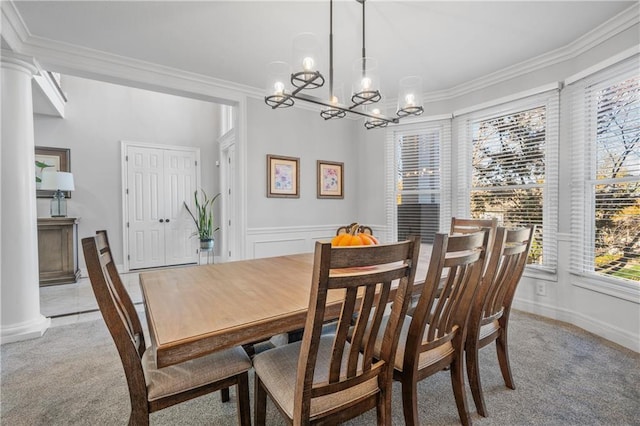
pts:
[124, 146]
[229, 209]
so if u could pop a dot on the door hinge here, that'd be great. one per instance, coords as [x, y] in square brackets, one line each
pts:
[127, 224]
[126, 191]
[128, 257]
[196, 163]
[126, 158]
[229, 253]
[229, 222]
[229, 160]
[229, 191]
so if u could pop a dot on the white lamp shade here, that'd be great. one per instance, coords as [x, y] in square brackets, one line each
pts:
[54, 181]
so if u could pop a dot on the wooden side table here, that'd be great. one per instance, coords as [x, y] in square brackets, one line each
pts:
[58, 250]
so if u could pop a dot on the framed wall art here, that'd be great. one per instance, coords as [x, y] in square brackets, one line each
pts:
[283, 177]
[330, 179]
[56, 159]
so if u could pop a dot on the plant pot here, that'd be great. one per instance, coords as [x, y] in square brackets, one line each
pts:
[206, 244]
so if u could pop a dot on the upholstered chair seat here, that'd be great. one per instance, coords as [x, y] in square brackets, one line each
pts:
[275, 368]
[176, 379]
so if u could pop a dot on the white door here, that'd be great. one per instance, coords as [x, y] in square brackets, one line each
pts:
[159, 229]
[180, 183]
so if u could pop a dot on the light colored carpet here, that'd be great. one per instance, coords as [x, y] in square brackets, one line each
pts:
[563, 375]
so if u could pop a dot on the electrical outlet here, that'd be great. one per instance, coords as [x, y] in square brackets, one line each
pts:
[541, 289]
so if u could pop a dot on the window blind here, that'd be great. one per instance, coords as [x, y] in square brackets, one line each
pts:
[605, 196]
[509, 169]
[418, 187]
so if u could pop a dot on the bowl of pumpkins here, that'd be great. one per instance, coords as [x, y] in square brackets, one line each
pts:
[354, 237]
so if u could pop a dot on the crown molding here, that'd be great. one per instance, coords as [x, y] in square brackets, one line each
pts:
[14, 30]
[619, 23]
[85, 62]
[76, 60]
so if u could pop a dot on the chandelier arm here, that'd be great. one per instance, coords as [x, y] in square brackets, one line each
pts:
[318, 101]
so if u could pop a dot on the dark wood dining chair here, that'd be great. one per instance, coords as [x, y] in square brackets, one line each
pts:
[325, 379]
[433, 338]
[489, 320]
[152, 389]
[466, 226]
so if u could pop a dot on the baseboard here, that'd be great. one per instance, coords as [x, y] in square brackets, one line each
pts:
[602, 329]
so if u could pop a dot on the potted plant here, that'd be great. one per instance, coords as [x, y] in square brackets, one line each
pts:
[203, 218]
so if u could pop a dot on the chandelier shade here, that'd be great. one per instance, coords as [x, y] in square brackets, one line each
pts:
[306, 62]
[365, 85]
[278, 75]
[377, 117]
[285, 85]
[335, 110]
[410, 96]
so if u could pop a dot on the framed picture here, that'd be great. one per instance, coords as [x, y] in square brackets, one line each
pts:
[56, 159]
[283, 177]
[330, 179]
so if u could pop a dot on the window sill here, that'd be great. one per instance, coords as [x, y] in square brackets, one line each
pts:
[540, 273]
[610, 287]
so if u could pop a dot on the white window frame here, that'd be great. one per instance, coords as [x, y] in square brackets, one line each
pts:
[583, 147]
[441, 124]
[547, 96]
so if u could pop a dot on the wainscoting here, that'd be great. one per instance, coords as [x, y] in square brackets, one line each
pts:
[281, 241]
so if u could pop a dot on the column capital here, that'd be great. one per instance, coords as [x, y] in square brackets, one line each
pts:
[16, 61]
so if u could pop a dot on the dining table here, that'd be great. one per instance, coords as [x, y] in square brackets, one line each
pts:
[195, 310]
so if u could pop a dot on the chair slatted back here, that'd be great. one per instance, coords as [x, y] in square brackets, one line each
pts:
[465, 226]
[117, 310]
[445, 303]
[365, 275]
[506, 265]
[121, 295]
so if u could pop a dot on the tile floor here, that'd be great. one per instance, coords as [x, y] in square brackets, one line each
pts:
[70, 303]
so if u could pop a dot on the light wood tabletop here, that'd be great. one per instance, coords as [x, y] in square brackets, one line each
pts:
[193, 311]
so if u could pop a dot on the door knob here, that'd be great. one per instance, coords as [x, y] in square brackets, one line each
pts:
[161, 220]
[167, 220]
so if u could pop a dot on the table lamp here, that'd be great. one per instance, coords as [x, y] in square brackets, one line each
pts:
[58, 182]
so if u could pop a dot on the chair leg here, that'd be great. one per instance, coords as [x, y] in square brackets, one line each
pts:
[473, 373]
[137, 418]
[503, 358]
[457, 381]
[260, 403]
[410, 402]
[383, 408]
[244, 409]
[224, 395]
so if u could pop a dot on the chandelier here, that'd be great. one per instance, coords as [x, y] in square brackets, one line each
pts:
[365, 83]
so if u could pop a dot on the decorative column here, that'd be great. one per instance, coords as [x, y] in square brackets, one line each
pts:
[20, 317]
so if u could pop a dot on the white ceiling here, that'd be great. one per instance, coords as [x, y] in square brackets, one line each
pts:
[448, 43]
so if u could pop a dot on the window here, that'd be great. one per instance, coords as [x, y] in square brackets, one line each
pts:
[511, 172]
[420, 204]
[606, 174]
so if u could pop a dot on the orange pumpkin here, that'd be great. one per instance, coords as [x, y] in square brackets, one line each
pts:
[353, 238]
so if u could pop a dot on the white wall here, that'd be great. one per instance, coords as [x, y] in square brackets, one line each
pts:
[567, 296]
[98, 117]
[279, 226]
[304, 134]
